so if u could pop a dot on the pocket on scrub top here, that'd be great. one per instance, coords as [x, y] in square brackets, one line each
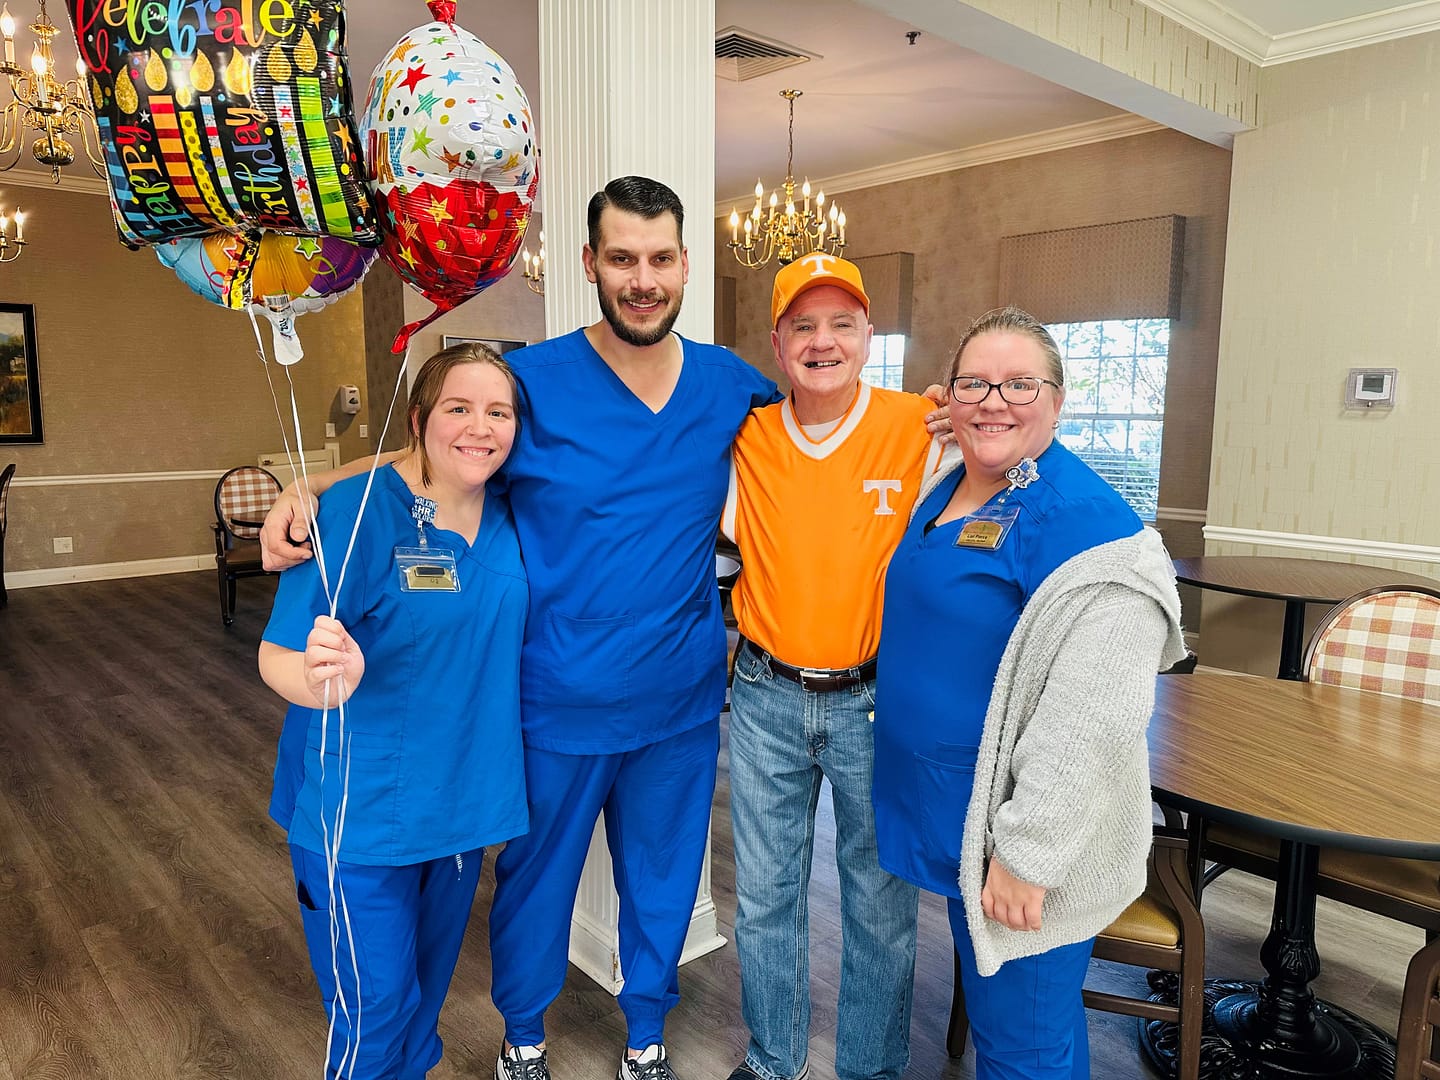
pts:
[597, 656]
[944, 779]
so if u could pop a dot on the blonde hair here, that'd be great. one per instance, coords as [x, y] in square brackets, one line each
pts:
[425, 393]
[1012, 320]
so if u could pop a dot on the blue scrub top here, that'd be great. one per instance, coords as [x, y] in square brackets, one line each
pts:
[434, 726]
[618, 509]
[949, 613]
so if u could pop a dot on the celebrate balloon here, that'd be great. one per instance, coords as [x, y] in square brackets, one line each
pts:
[451, 158]
[225, 115]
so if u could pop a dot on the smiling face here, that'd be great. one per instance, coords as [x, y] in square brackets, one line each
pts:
[821, 343]
[639, 270]
[468, 433]
[994, 435]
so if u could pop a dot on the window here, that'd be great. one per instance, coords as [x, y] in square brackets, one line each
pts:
[1114, 412]
[886, 366]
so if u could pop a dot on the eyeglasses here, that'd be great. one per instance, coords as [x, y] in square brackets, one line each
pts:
[971, 390]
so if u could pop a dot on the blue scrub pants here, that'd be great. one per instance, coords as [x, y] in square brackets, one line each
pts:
[656, 802]
[1027, 1021]
[407, 923]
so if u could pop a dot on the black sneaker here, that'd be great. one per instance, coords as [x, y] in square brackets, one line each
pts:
[743, 1071]
[653, 1064]
[522, 1063]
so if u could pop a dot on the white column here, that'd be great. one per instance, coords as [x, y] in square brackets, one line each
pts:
[627, 87]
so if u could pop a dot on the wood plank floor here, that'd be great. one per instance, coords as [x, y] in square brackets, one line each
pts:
[148, 927]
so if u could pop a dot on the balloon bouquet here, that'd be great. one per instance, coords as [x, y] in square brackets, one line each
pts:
[232, 148]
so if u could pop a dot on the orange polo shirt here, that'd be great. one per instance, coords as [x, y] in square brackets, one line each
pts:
[817, 521]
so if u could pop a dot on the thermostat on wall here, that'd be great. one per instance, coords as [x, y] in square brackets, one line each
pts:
[1370, 388]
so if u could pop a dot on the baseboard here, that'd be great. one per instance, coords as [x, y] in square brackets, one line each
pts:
[63, 575]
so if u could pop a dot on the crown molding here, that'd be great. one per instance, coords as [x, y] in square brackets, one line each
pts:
[1041, 142]
[1398, 22]
[88, 185]
[1219, 24]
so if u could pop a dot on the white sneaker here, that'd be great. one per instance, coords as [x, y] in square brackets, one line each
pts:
[522, 1063]
[653, 1064]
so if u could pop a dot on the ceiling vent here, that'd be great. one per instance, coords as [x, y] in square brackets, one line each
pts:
[741, 54]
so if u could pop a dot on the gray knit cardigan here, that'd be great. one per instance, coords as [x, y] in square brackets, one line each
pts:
[1062, 776]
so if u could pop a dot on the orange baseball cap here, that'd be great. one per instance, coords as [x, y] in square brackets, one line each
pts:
[806, 272]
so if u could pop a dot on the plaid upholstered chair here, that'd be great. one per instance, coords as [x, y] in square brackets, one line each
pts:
[242, 498]
[5, 476]
[1387, 641]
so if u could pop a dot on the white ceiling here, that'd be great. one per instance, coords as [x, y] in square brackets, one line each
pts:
[871, 99]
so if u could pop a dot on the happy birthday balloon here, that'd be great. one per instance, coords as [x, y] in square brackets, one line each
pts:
[451, 157]
[225, 115]
[289, 276]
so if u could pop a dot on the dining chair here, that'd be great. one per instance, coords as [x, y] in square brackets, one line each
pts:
[242, 498]
[5, 477]
[1387, 641]
[1161, 931]
[1417, 1047]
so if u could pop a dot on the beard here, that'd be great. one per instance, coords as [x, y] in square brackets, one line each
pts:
[640, 337]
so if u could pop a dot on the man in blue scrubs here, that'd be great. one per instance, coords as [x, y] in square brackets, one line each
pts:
[616, 483]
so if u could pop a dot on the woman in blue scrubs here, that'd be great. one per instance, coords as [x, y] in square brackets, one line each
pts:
[1027, 612]
[390, 800]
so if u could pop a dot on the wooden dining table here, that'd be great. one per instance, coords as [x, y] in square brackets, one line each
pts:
[1295, 581]
[1316, 766]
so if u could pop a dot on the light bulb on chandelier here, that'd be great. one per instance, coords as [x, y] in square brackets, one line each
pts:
[41, 103]
[790, 232]
[12, 247]
[534, 273]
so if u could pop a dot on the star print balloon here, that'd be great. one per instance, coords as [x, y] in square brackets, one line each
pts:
[288, 275]
[451, 159]
[225, 115]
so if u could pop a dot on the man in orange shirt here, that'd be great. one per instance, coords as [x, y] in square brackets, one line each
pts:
[820, 493]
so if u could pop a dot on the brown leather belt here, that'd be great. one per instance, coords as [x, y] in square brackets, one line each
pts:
[817, 680]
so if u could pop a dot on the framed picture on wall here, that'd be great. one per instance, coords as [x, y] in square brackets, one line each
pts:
[500, 345]
[19, 376]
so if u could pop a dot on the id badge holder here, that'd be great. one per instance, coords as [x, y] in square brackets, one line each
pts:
[423, 568]
[426, 569]
[987, 527]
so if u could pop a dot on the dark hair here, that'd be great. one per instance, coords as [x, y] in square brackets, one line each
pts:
[635, 195]
[425, 393]
[1012, 320]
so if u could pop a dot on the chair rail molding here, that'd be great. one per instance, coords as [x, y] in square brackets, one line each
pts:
[62, 480]
[1331, 545]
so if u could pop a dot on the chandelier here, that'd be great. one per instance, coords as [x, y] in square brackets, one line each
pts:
[534, 273]
[787, 232]
[41, 103]
[11, 248]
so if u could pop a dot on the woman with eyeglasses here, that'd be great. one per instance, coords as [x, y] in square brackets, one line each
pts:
[1027, 611]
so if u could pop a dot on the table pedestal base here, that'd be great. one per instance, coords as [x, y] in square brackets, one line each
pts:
[1234, 1045]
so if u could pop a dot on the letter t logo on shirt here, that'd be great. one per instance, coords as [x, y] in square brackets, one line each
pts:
[884, 487]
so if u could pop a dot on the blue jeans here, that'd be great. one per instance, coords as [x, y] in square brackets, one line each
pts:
[783, 742]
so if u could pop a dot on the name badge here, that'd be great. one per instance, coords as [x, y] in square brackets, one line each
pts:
[987, 527]
[427, 569]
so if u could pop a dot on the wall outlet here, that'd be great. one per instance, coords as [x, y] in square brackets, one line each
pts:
[64, 545]
[364, 431]
[330, 431]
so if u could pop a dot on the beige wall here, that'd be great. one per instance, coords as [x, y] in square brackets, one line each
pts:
[1334, 229]
[139, 375]
[953, 224]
